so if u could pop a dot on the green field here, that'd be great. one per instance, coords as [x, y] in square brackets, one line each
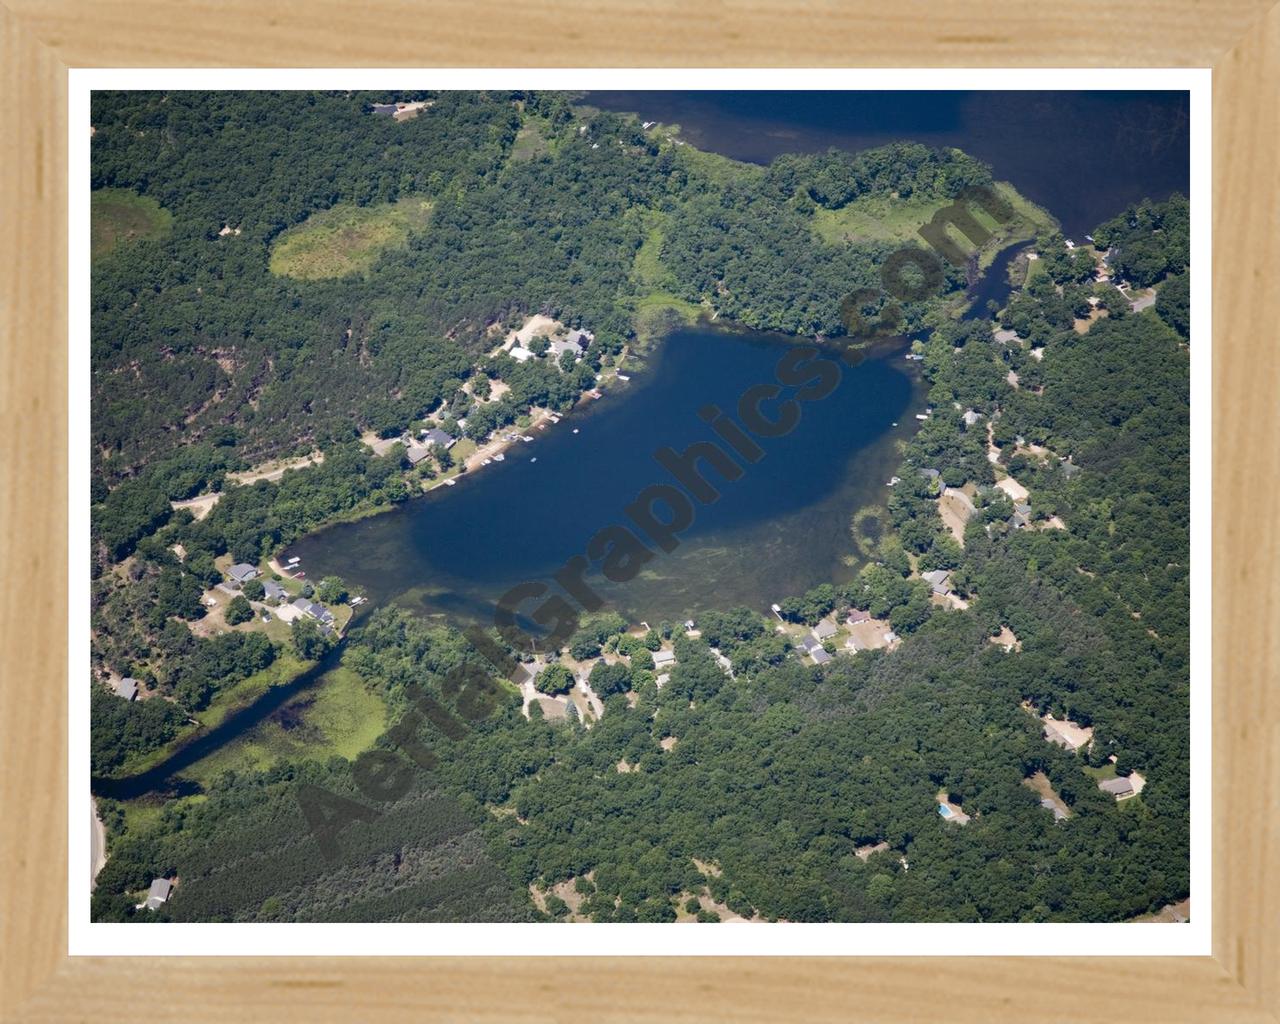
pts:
[337, 717]
[655, 303]
[346, 239]
[117, 215]
[887, 219]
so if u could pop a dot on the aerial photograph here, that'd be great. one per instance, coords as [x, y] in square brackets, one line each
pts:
[663, 506]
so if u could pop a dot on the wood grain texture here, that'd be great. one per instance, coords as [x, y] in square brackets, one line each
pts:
[658, 33]
[40, 38]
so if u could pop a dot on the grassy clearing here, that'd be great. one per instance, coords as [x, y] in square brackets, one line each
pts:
[531, 141]
[886, 219]
[117, 215]
[339, 717]
[657, 308]
[346, 239]
[719, 170]
[875, 219]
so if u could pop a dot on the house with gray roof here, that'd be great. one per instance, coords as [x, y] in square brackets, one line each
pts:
[1119, 787]
[439, 437]
[241, 572]
[663, 659]
[939, 581]
[815, 650]
[127, 688]
[272, 591]
[158, 893]
[558, 348]
[317, 611]
[417, 454]
[825, 629]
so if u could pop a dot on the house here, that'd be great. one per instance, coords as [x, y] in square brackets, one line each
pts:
[559, 348]
[971, 417]
[317, 611]
[384, 108]
[127, 688]
[939, 581]
[857, 615]
[664, 659]
[581, 338]
[1069, 469]
[1058, 813]
[1121, 787]
[272, 591]
[439, 437]
[158, 893]
[1065, 733]
[417, 454]
[1007, 337]
[241, 572]
[815, 650]
[1021, 518]
[825, 629]
[520, 354]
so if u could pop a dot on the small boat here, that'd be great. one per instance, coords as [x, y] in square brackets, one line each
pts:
[486, 462]
[450, 483]
[534, 459]
[499, 457]
[575, 430]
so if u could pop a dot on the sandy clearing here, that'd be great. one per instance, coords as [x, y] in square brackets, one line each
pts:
[668, 742]
[955, 508]
[1039, 783]
[1170, 913]
[1054, 523]
[1015, 490]
[1065, 732]
[199, 506]
[870, 635]
[273, 471]
[535, 325]
[380, 445]
[864, 853]
[1012, 379]
[1006, 639]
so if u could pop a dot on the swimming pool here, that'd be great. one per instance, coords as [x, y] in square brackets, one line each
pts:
[944, 810]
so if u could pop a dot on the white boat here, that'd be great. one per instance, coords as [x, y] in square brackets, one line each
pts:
[534, 459]
[575, 430]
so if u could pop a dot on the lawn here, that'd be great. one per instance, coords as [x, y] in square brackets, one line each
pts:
[117, 215]
[346, 239]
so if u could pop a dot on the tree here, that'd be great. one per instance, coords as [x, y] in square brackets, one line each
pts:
[253, 590]
[307, 639]
[238, 610]
[554, 679]
[332, 590]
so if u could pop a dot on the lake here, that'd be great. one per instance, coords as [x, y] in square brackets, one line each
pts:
[786, 525]
[1083, 156]
[781, 528]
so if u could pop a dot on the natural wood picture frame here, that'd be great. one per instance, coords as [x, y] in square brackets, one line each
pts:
[41, 39]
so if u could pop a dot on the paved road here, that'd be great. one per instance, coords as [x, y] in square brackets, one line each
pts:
[97, 844]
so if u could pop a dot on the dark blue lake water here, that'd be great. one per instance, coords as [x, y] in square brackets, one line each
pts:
[781, 528]
[1082, 155]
